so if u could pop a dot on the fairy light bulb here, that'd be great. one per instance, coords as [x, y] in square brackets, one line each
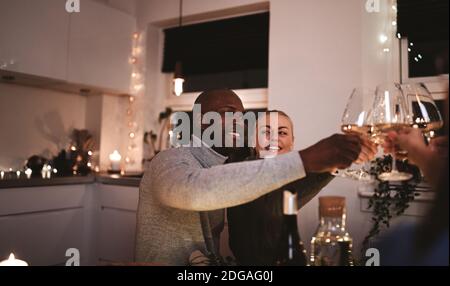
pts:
[178, 86]
[383, 38]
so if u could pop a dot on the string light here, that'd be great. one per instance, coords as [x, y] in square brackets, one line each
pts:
[133, 60]
[383, 38]
[137, 88]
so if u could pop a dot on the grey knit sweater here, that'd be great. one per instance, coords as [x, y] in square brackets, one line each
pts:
[181, 182]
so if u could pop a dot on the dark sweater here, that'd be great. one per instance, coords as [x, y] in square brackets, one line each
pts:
[255, 228]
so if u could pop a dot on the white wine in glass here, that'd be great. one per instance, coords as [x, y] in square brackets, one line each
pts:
[390, 113]
[355, 121]
[423, 110]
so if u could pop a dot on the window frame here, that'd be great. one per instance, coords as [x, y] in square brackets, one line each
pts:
[437, 85]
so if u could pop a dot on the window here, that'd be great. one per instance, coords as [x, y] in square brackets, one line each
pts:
[231, 53]
[425, 25]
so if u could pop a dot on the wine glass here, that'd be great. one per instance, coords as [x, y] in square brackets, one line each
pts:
[390, 113]
[423, 110]
[355, 121]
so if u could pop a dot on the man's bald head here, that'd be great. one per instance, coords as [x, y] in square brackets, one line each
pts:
[220, 100]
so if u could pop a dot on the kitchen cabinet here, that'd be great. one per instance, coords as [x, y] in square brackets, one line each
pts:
[39, 224]
[44, 45]
[34, 37]
[117, 228]
[100, 45]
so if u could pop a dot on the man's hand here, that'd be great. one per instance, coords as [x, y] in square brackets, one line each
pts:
[336, 152]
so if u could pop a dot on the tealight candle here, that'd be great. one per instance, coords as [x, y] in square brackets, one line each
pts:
[44, 171]
[28, 173]
[12, 261]
[2, 174]
[115, 159]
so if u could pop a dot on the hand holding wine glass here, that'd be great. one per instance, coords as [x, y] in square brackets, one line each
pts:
[428, 157]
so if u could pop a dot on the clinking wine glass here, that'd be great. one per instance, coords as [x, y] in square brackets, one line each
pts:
[424, 113]
[355, 120]
[390, 113]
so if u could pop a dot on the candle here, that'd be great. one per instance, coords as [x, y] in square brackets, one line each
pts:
[44, 171]
[12, 261]
[115, 159]
[28, 172]
[2, 174]
[49, 171]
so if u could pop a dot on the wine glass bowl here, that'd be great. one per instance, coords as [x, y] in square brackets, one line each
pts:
[424, 113]
[355, 121]
[390, 112]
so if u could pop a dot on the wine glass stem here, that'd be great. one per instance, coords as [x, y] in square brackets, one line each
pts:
[394, 163]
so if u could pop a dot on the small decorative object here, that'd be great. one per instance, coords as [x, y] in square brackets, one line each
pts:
[82, 146]
[35, 164]
[46, 172]
[331, 245]
[115, 158]
[2, 175]
[28, 173]
[76, 160]
[12, 261]
[390, 198]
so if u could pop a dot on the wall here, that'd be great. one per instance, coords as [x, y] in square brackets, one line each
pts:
[316, 59]
[319, 51]
[126, 6]
[36, 121]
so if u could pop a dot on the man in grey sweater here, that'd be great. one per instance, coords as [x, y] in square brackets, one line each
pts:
[184, 191]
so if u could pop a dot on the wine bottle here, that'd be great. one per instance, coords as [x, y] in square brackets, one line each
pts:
[291, 251]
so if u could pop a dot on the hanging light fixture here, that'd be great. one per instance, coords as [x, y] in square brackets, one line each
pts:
[178, 79]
